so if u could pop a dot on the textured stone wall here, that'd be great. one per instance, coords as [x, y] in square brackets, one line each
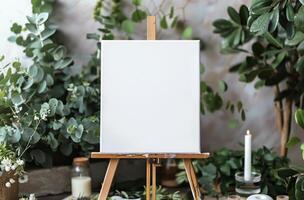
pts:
[74, 20]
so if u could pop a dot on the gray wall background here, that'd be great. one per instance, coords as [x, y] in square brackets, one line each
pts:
[74, 20]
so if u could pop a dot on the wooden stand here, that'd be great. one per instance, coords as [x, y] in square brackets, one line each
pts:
[152, 160]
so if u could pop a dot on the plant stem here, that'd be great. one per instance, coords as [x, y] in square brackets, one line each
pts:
[285, 131]
[28, 145]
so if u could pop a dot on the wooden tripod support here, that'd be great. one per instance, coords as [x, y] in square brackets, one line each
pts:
[151, 163]
[152, 160]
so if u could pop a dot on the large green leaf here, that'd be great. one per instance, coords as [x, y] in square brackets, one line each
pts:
[274, 19]
[292, 142]
[244, 14]
[289, 12]
[260, 25]
[273, 40]
[298, 37]
[260, 6]
[299, 19]
[299, 117]
[234, 15]
[299, 187]
[299, 66]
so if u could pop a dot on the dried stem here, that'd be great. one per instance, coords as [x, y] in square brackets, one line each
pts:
[285, 131]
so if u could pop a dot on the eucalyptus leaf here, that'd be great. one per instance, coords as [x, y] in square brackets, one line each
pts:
[17, 99]
[33, 70]
[42, 18]
[63, 63]
[32, 28]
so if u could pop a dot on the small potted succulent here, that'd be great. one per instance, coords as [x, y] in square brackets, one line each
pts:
[11, 172]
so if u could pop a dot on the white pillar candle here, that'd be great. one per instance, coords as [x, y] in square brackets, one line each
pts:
[81, 186]
[247, 162]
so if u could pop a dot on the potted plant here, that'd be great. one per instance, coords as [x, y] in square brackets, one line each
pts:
[11, 168]
[275, 32]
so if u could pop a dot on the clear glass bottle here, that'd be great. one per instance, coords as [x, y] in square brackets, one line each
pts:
[81, 179]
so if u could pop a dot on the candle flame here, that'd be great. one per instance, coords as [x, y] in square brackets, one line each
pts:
[248, 132]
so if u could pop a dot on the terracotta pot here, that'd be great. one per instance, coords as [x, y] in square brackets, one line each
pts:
[9, 193]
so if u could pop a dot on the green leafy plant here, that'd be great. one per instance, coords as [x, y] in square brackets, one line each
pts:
[293, 178]
[274, 30]
[43, 107]
[216, 174]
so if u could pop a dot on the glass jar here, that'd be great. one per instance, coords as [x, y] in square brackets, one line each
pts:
[80, 179]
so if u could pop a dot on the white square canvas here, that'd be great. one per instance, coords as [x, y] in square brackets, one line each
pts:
[150, 99]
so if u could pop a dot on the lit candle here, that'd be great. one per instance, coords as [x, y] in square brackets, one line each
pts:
[247, 163]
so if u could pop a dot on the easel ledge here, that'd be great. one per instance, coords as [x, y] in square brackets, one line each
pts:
[99, 155]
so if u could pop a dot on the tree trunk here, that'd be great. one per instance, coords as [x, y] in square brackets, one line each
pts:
[285, 131]
[283, 116]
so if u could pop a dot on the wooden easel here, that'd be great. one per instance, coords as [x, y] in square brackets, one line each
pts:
[152, 160]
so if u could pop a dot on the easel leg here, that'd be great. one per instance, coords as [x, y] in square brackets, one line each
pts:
[153, 181]
[148, 179]
[192, 179]
[107, 182]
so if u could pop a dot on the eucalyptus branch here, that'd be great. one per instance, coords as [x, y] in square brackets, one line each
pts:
[28, 145]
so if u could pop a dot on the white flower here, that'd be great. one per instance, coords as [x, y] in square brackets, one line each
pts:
[32, 197]
[14, 166]
[7, 168]
[12, 181]
[36, 117]
[20, 162]
[6, 162]
[8, 184]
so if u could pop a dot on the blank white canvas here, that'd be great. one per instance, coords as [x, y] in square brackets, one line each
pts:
[150, 100]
